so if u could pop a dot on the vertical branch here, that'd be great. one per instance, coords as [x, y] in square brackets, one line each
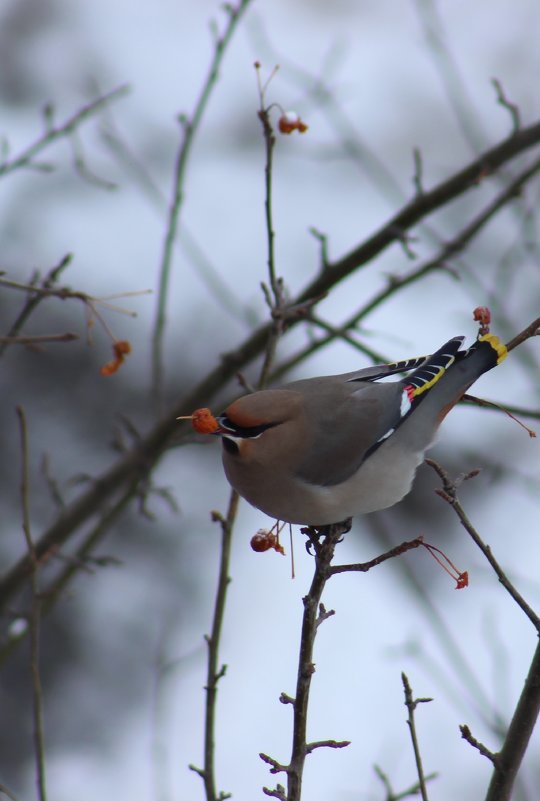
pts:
[190, 128]
[314, 615]
[274, 294]
[306, 668]
[35, 614]
[269, 141]
[214, 671]
[411, 704]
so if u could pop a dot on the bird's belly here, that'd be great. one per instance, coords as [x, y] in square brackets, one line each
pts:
[383, 480]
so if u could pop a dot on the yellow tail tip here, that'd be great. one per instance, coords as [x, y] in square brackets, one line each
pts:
[498, 346]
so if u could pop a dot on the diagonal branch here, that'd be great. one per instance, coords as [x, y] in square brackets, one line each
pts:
[53, 133]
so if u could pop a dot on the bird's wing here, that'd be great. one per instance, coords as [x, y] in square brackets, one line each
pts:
[356, 415]
[349, 419]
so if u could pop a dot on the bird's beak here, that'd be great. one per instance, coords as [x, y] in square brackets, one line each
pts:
[204, 422]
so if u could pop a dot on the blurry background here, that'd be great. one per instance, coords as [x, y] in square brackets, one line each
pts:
[123, 652]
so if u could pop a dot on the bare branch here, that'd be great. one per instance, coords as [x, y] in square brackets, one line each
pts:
[215, 673]
[467, 735]
[411, 706]
[35, 615]
[190, 127]
[324, 552]
[8, 793]
[503, 101]
[414, 789]
[363, 567]
[510, 757]
[52, 133]
[38, 339]
[449, 494]
[326, 744]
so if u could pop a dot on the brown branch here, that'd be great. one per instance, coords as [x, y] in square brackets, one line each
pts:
[35, 297]
[512, 108]
[480, 747]
[532, 330]
[53, 133]
[324, 553]
[275, 295]
[398, 283]
[38, 339]
[277, 792]
[326, 744]
[507, 762]
[512, 411]
[324, 541]
[214, 672]
[424, 205]
[449, 494]
[75, 564]
[510, 757]
[8, 793]
[35, 616]
[410, 791]
[411, 705]
[363, 567]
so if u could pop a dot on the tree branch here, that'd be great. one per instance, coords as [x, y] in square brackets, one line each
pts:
[190, 128]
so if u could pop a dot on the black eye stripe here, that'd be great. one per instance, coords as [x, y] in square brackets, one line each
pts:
[244, 432]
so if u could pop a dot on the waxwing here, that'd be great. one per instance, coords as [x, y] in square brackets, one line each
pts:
[321, 450]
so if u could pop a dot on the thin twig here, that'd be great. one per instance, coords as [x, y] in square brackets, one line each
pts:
[505, 408]
[410, 791]
[396, 284]
[9, 793]
[80, 561]
[190, 127]
[514, 412]
[363, 567]
[449, 494]
[52, 133]
[35, 615]
[480, 747]
[420, 207]
[310, 747]
[34, 298]
[532, 330]
[503, 101]
[38, 339]
[215, 672]
[275, 294]
[451, 78]
[411, 706]
[37, 292]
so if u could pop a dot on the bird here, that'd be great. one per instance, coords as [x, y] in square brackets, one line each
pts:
[317, 451]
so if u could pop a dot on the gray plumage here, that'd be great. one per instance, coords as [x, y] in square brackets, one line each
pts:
[320, 450]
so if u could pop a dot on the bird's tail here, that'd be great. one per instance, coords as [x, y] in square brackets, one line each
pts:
[447, 374]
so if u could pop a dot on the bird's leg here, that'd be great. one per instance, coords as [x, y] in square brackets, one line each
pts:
[313, 539]
[314, 534]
